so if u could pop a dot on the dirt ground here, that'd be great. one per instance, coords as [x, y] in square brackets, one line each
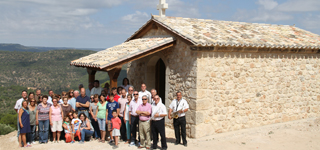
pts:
[295, 135]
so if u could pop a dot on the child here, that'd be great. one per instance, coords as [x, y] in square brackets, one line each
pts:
[116, 124]
[75, 125]
[68, 130]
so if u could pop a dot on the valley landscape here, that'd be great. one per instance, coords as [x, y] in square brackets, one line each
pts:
[45, 70]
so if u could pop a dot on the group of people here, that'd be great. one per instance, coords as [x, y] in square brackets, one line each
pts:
[99, 114]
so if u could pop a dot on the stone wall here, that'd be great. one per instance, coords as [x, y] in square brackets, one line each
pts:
[244, 90]
[181, 74]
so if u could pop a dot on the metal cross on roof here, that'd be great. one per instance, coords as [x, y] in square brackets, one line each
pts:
[162, 8]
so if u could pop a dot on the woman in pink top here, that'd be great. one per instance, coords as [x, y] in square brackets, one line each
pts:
[55, 117]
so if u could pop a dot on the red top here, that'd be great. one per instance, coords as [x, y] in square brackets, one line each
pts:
[116, 123]
[116, 97]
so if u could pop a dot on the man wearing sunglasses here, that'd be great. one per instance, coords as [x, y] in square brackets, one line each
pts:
[144, 112]
[134, 117]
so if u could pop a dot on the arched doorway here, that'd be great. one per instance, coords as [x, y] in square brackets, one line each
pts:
[160, 79]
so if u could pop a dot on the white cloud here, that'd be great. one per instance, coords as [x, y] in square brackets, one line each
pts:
[136, 17]
[300, 6]
[268, 4]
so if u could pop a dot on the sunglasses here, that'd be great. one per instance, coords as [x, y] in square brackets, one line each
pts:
[144, 99]
[91, 97]
[135, 94]
[32, 101]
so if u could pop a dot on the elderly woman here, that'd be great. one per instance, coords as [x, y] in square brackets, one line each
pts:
[42, 119]
[24, 123]
[86, 129]
[56, 115]
[32, 115]
[94, 113]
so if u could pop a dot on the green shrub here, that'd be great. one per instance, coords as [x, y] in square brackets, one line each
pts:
[5, 129]
[9, 119]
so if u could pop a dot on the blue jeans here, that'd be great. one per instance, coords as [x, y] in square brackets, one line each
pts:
[85, 133]
[43, 130]
[32, 135]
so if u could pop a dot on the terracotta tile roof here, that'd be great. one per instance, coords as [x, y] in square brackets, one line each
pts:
[202, 32]
[121, 52]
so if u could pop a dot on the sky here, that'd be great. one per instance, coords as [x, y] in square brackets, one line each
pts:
[106, 23]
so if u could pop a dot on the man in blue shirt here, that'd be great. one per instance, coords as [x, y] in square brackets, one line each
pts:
[83, 103]
[112, 105]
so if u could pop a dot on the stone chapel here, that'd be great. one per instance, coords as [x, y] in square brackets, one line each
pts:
[234, 75]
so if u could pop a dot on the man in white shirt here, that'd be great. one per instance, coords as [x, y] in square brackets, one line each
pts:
[159, 111]
[88, 90]
[154, 93]
[134, 117]
[145, 92]
[51, 95]
[97, 89]
[17, 107]
[181, 106]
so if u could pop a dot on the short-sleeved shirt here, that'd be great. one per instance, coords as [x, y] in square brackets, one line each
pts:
[177, 106]
[102, 109]
[110, 107]
[72, 102]
[116, 123]
[49, 101]
[76, 122]
[43, 112]
[18, 104]
[66, 109]
[122, 104]
[93, 108]
[95, 90]
[147, 108]
[133, 107]
[83, 100]
[160, 108]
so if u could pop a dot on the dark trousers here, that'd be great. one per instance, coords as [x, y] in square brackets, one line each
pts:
[123, 130]
[134, 124]
[180, 123]
[31, 136]
[158, 127]
[95, 125]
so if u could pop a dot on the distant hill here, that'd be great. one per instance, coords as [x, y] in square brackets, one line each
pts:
[46, 70]
[22, 48]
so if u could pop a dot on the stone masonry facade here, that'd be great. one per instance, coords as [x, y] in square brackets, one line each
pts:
[244, 90]
[232, 91]
[181, 75]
